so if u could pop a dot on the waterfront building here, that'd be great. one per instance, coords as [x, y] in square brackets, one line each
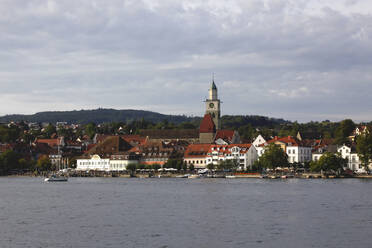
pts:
[318, 152]
[353, 161]
[93, 163]
[196, 154]
[119, 162]
[201, 155]
[245, 154]
[297, 151]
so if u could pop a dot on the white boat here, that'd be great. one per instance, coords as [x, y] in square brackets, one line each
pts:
[183, 176]
[230, 176]
[193, 176]
[56, 178]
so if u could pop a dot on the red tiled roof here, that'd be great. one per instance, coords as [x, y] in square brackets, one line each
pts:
[90, 146]
[202, 150]
[207, 125]
[287, 140]
[225, 149]
[225, 134]
[197, 150]
[49, 142]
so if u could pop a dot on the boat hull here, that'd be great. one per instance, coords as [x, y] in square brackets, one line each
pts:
[58, 179]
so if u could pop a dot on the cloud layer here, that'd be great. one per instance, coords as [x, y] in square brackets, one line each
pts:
[296, 59]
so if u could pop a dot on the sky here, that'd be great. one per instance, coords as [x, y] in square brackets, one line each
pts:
[294, 59]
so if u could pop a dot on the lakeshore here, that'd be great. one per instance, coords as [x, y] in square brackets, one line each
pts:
[196, 175]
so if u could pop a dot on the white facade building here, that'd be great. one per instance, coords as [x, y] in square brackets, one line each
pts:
[121, 164]
[258, 141]
[202, 156]
[297, 153]
[245, 155]
[352, 157]
[116, 163]
[94, 163]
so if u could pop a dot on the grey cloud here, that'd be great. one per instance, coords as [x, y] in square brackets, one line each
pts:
[272, 57]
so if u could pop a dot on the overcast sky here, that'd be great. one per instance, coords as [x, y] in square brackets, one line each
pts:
[294, 59]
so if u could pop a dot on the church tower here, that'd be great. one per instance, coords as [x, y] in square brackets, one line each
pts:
[213, 106]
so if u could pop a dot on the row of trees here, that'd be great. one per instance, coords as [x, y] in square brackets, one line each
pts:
[274, 157]
[364, 149]
[248, 126]
[171, 163]
[11, 162]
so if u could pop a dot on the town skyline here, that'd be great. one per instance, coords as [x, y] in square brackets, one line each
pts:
[296, 60]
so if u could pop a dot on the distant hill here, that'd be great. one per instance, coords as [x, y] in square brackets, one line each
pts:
[97, 116]
[128, 115]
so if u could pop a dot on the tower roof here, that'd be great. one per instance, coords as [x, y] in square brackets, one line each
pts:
[207, 125]
[213, 86]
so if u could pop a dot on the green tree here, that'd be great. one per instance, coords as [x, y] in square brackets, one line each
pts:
[131, 167]
[43, 164]
[90, 130]
[173, 163]
[26, 164]
[67, 133]
[343, 131]
[247, 132]
[228, 164]
[273, 157]
[140, 166]
[256, 166]
[156, 166]
[329, 162]
[364, 149]
[315, 166]
[211, 166]
[49, 130]
[9, 160]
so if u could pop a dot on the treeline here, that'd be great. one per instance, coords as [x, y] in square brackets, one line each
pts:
[338, 131]
[97, 116]
[12, 162]
[248, 127]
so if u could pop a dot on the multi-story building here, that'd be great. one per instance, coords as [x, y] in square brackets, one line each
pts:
[93, 163]
[201, 155]
[353, 161]
[296, 150]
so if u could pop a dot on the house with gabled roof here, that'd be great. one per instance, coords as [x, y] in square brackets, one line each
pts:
[297, 151]
[201, 155]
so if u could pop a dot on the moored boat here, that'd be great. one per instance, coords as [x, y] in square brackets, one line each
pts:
[230, 176]
[193, 176]
[56, 178]
[183, 176]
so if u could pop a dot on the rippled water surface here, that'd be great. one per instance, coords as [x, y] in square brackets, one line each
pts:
[119, 212]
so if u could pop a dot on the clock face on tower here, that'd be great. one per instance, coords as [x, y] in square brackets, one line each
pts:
[211, 105]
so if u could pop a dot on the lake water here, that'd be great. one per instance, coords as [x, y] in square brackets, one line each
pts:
[120, 212]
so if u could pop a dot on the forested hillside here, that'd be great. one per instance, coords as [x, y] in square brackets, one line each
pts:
[97, 116]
